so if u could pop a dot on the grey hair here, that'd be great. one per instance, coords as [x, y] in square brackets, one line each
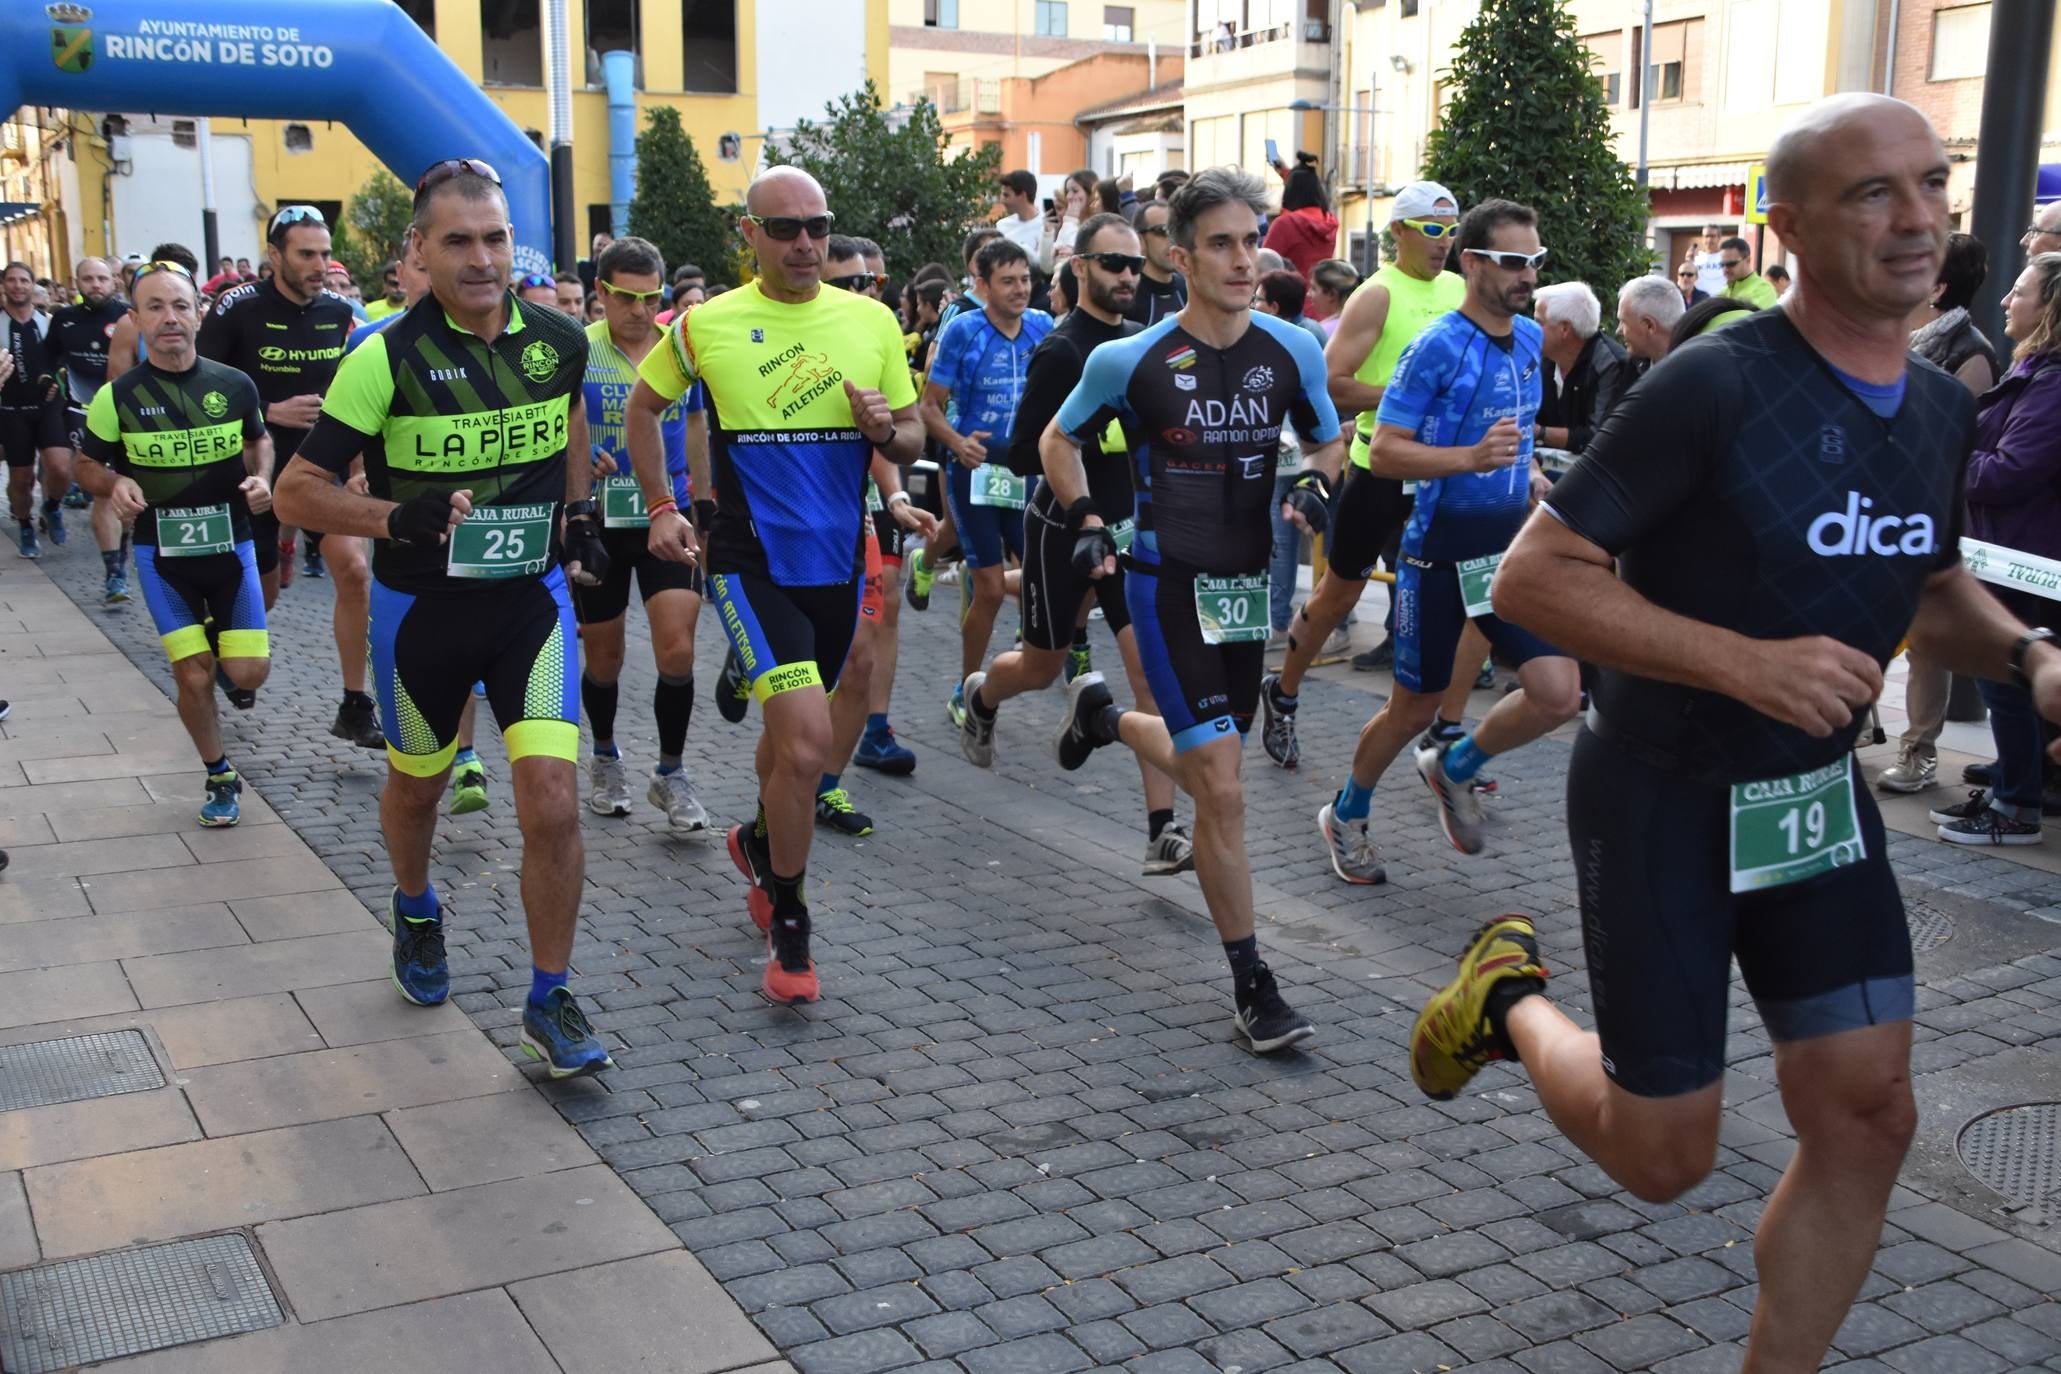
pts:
[1654, 297]
[1572, 303]
[1207, 190]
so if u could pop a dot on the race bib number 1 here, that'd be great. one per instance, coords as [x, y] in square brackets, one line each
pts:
[1787, 829]
[995, 485]
[501, 541]
[622, 505]
[191, 531]
[1477, 575]
[1232, 610]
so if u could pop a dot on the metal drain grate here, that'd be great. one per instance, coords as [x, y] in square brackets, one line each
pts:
[105, 1306]
[1930, 927]
[2017, 1152]
[43, 1072]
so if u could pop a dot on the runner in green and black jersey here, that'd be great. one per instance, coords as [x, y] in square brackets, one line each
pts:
[464, 412]
[175, 445]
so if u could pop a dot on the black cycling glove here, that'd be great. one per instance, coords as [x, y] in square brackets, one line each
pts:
[1310, 497]
[423, 520]
[1091, 547]
[584, 546]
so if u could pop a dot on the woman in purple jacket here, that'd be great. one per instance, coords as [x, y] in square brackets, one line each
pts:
[2014, 500]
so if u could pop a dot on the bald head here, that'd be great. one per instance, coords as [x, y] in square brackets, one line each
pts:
[784, 191]
[1815, 149]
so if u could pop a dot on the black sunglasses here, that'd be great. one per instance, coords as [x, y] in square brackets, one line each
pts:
[1116, 262]
[1159, 229]
[440, 172]
[786, 228]
[857, 281]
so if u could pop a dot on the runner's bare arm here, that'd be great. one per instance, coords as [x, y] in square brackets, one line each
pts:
[647, 445]
[579, 475]
[1562, 587]
[310, 497]
[1359, 329]
[967, 448]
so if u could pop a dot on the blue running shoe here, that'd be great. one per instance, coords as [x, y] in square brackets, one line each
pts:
[53, 524]
[558, 1034]
[30, 547]
[222, 809]
[883, 753]
[419, 970]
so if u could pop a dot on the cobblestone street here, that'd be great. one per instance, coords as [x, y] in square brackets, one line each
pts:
[1017, 1134]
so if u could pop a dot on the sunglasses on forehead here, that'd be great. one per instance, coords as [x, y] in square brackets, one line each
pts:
[542, 279]
[296, 214]
[162, 266]
[786, 228]
[440, 172]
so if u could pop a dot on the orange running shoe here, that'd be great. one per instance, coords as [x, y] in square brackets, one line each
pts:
[790, 974]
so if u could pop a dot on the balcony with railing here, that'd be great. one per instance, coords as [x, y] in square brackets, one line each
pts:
[1226, 53]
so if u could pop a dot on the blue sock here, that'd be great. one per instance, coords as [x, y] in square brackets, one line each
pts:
[607, 751]
[422, 907]
[463, 756]
[1464, 758]
[666, 769]
[1353, 801]
[220, 766]
[876, 724]
[541, 984]
[829, 783]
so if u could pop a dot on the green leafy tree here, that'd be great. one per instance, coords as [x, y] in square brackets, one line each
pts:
[374, 225]
[1528, 123]
[674, 206]
[898, 183]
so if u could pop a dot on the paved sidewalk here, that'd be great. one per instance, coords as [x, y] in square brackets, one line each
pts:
[414, 1201]
[1016, 1135]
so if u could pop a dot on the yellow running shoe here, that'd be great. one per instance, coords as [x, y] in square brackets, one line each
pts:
[1454, 1035]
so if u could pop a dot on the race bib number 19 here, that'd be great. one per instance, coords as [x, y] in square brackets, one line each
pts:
[501, 541]
[1787, 829]
[1232, 610]
[191, 531]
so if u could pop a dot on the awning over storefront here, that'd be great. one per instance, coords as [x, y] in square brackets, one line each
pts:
[2048, 187]
[14, 211]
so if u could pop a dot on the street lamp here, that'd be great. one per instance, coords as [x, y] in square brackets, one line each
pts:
[1367, 189]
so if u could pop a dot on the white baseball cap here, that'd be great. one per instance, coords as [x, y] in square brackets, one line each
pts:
[1421, 198]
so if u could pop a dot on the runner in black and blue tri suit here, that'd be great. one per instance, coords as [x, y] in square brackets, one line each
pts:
[1208, 389]
[1457, 418]
[1784, 501]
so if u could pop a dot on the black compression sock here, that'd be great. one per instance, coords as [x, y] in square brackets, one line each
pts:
[1503, 996]
[672, 704]
[978, 705]
[1244, 959]
[789, 895]
[112, 561]
[1157, 821]
[599, 699]
[1080, 637]
[1103, 725]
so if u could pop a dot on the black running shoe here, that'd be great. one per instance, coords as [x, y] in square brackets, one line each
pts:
[1086, 697]
[733, 693]
[357, 722]
[1264, 1017]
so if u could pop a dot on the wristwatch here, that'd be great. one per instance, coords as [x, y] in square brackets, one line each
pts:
[2020, 647]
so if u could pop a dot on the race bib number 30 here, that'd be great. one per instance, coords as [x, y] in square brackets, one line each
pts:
[191, 531]
[1791, 828]
[995, 485]
[1476, 577]
[1232, 610]
[622, 504]
[501, 541]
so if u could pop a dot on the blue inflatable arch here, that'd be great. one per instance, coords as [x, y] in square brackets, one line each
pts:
[363, 63]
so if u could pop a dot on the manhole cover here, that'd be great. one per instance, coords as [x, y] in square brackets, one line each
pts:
[1930, 927]
[2017, 1152]
[77, 1067]
[105, 1306]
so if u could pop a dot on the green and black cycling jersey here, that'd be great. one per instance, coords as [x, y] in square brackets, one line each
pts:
[179, 436]
[287, 349]
[1744, 483]
[432, 406]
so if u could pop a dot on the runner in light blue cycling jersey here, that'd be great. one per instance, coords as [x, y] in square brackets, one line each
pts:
[1457, 418]
[979, 366]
